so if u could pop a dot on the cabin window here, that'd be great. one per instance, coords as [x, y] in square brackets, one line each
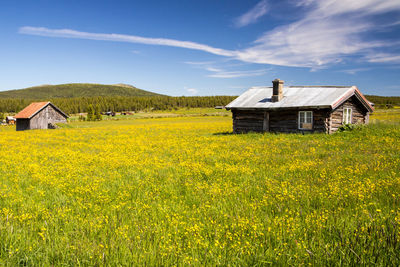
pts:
[347, 116]
[305, 120]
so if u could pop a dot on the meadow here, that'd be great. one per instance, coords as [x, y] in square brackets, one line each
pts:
[185, 191]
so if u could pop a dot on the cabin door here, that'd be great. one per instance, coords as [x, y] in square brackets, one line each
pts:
[266, 122]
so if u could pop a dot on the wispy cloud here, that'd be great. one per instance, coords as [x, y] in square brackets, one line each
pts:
[383, 58]
[238, 74]
[218, 72]
[328, 32]
[192, 91]
[253, 14]
[355, 71]
[199, 63]
[213, 69]
[68, 33]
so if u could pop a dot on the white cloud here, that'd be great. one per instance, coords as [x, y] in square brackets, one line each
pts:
[328, 8]
[218, 72]
[199, 63]
[212, 69]
[192, 91]
[355, 71]
[67, 33]
[238, 74]
[383, 58]
[253, 14]
[328, 32]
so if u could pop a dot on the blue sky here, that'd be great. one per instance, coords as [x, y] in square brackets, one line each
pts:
[203, 47]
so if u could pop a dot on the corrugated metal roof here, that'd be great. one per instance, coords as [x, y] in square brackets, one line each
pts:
[31, 110]
[293, 97]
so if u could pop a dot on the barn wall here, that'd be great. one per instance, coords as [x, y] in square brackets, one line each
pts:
[54, 116]
[278, 121]
[39, 121]
[359, 114]
[47, 115]
[22, 124]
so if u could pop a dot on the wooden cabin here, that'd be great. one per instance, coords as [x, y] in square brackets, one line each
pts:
[40, 115]
[298, 109]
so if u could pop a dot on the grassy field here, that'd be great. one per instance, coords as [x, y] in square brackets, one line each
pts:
[184, 190]
[185, 112]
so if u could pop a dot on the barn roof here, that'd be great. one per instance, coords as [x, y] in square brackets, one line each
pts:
[34, 108]
[298, 97]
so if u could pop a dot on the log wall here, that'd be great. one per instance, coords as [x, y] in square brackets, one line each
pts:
[277, 121]
[359, 114]
[247, 121]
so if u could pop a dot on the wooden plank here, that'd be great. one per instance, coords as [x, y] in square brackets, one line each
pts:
[266, 122]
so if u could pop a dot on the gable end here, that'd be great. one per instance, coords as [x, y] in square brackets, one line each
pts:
[358, 95]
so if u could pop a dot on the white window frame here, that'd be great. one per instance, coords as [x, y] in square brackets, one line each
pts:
[308, 116]
[347, 115]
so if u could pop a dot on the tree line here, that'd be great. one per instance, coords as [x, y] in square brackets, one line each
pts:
[146, 103]
[120, 103]
[384, 101]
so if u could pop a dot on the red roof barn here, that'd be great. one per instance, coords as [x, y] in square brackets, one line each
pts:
[40, 115]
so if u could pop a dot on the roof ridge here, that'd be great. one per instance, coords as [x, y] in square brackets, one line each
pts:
[329, 86]
[308, 86]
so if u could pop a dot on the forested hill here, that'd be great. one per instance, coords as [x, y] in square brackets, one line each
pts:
[77, 97]
[73, 90]
[384, 101]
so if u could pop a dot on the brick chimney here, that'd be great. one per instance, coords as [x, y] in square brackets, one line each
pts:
[277, 90]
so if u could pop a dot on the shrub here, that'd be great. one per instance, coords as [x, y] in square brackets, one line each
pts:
[350, 127]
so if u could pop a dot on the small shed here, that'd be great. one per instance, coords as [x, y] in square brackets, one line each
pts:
[40, 115]
[298, 108]
[10, 120]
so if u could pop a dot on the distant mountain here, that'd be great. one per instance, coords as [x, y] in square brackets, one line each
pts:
[75, 90]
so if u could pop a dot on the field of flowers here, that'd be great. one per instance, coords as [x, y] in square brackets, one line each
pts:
[180, 191]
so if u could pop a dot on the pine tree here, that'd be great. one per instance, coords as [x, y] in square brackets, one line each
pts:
[90, 113]
[97, 114]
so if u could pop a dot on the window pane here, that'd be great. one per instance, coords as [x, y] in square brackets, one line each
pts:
[347, 115]
[309, 117]
[301, 117]
[305, 120]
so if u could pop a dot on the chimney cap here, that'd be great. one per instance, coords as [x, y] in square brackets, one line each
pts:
[278, 81]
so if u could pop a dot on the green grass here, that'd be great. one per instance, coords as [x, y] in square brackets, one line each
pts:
[184, 112]
[386, 115]
[185, 191]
